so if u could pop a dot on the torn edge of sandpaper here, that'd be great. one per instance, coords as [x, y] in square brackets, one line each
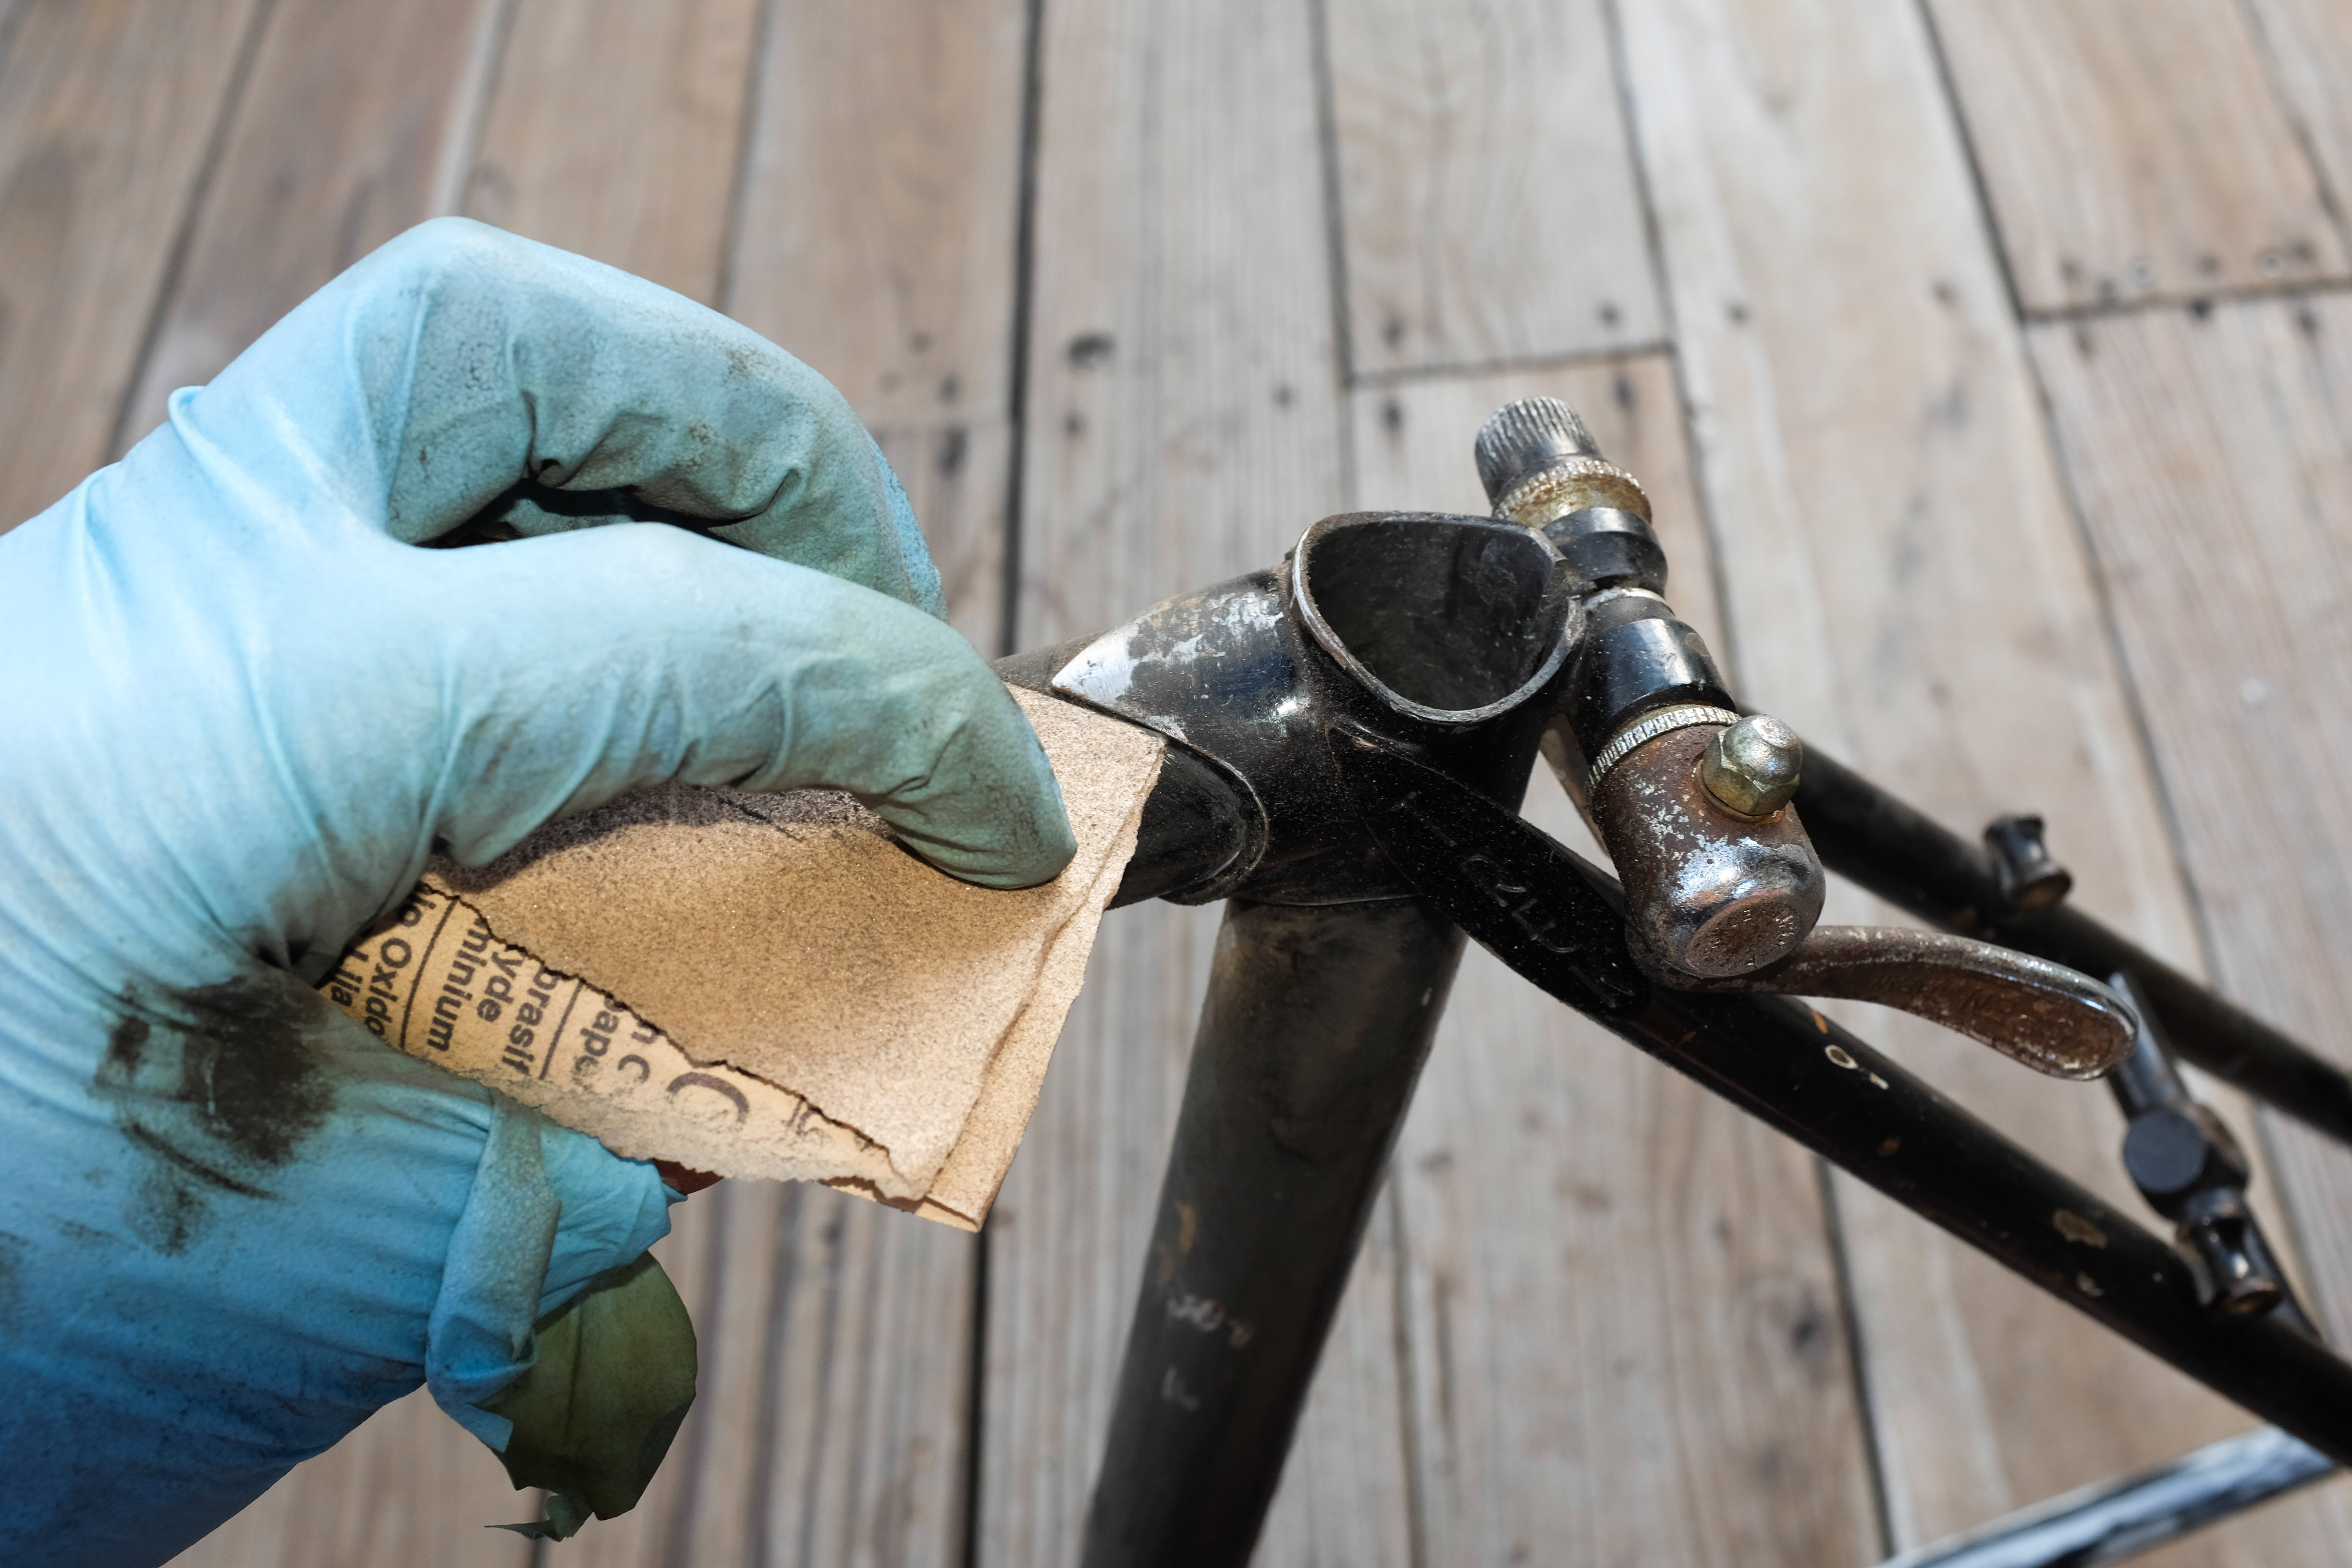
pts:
[443, 984]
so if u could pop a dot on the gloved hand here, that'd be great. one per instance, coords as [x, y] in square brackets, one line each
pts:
[238, 707]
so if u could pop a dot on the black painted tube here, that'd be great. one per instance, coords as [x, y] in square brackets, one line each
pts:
[1317, 1023]
[1869, 837]
[1558, 922]
[1786, 1065]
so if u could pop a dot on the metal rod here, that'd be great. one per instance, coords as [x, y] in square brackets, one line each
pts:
[1787, 1064]
[1898, 853]
[2110, 1521]
[1316, 1026]
[1559, 920]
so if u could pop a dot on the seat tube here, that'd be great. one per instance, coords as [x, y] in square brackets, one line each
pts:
[1317, 1023]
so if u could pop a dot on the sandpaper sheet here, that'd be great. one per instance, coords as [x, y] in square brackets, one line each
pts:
[766, 985]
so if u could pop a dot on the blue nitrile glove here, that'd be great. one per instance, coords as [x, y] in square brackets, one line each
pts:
[239, 706]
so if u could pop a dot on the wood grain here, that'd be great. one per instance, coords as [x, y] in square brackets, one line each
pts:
[616, 130]
[877, 242]
[2307, 44]
[881, 200]
[1184, 425]
[108, 109]
[1907, 587]
[2133, 151]
[829, 1424]
[1486, 192]
[2214, 456]
[1591, 1239]
[347, 113]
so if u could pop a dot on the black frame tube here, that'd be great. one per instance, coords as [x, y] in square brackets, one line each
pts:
[1898, 852]
[1317, 1023]
[1793, 1069]
[1559, 921]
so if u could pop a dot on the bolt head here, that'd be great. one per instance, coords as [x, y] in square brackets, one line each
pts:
[1752, 767]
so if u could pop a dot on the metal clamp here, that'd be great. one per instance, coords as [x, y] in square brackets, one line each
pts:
[1647, 729]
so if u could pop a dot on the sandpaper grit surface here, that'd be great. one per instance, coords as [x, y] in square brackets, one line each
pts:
[793, 938]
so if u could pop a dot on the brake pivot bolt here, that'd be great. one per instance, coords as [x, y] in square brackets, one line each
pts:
[1752, 767]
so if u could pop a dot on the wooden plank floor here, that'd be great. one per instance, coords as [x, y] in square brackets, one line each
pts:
[1989, 361]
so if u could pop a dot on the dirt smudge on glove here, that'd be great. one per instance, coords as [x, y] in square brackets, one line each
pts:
[217, 1086]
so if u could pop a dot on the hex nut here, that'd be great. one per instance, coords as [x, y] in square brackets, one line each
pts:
[1752, 767]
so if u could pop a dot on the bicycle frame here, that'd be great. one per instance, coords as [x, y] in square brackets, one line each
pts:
[1329, 978]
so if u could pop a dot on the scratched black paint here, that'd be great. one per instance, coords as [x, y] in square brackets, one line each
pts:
[1316, 1025]
[1794, 1070]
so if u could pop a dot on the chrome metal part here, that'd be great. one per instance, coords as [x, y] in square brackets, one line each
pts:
[1606, 595]
[2048, 1016]
[1574, 485]
[1539, 462]
[2111, 1520]
[1559, 923]
[1648, 728]
[1752, 768]
[1722, 878]
[1712, 894]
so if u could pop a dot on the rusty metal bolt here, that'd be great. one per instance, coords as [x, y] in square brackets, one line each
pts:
[1752, 767]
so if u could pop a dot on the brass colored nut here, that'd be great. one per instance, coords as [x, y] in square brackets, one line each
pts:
[1752, 767]
[1569, 484]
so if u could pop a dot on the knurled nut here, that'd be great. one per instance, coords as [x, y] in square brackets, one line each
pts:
[1526, 502]
[1648, 728]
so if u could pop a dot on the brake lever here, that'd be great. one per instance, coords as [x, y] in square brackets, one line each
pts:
[2053, 1019]
[1560, 924]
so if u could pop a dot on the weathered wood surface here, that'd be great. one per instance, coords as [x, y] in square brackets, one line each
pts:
[2210, 451]
[2133, 151]
[108, 114]
[829, 1425]
[2307, 44]
[1184, 425]
[1591, 1238]
[1486, 197]
[348, 116]
[615, 129]
[878, 240]
[409, 1490]
[1906, 587]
